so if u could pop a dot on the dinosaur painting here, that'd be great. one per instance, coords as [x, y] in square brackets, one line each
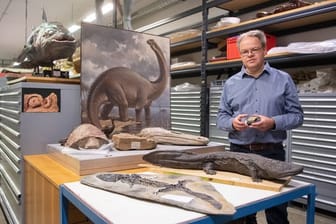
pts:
[125, 88]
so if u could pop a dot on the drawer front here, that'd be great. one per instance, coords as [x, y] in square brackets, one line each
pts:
[10, 102]
[12, 133]
[10, 123]
[10, 110]
[313, 145]
[12, 171]
[215, 134]
[7, 144]
[185, 111]
[10, 212]
[10, 200]
[10, 183]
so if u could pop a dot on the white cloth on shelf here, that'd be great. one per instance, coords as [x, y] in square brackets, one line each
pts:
[306, 47]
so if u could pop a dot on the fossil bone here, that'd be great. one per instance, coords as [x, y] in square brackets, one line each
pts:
[163, 136]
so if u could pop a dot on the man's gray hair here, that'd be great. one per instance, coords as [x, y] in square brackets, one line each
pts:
[253, 33]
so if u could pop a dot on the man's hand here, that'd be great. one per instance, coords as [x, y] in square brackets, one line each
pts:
[238, 122]
[265, 123]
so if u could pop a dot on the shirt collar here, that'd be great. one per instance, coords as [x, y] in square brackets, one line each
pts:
[267, 70]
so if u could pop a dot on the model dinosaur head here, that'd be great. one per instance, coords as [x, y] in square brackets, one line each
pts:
[48, 42]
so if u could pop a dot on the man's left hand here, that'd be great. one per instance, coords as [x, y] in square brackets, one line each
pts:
[265, 123]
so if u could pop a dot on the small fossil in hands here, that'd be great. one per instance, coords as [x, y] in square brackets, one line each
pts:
[251, 119]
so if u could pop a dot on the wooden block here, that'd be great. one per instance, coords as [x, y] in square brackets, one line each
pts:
[126, 141]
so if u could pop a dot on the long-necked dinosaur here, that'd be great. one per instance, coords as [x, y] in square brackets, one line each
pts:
[256, 166]
[125, 88]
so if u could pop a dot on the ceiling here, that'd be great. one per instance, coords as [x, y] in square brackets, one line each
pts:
[19, 17]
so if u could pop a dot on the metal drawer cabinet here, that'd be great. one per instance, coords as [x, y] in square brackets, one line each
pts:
[313, 145]
[10, 197]
[215, 134]
[185, 110]
[24, 133]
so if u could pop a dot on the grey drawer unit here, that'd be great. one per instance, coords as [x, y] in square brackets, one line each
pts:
[313, 145]
[215, 134]
[25, 133]
[185, 111]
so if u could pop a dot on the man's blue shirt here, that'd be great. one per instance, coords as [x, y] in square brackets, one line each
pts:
[272, 94]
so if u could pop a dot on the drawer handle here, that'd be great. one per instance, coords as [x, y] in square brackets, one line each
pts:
[9, 182]
[9, 161]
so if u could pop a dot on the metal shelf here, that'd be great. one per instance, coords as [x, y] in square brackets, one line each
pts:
[313, 144]
[304, 18]
[313, 14]
[287, 61]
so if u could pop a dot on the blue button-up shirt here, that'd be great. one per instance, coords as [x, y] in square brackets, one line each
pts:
[272, 94]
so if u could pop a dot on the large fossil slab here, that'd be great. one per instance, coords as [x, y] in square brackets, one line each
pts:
[187, 192]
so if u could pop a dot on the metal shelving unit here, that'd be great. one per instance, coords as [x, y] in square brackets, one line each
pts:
[299, 20]
[311, 145]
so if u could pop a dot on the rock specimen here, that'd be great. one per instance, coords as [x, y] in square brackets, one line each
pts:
[125, 141]
[163, 136]
[291, 4]
[251, 119]
[36, 103]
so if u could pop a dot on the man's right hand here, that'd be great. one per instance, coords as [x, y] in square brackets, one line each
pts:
[238, 122]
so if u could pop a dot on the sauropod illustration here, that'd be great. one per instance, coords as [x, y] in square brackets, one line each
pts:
[125, 88]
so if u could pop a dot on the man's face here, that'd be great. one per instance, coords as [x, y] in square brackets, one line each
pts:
[252, 53]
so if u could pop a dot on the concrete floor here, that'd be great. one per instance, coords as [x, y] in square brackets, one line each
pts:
[297, 215]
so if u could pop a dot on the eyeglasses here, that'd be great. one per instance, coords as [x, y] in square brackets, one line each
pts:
[245, 53]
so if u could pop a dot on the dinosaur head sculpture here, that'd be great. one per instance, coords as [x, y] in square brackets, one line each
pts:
[48, 42]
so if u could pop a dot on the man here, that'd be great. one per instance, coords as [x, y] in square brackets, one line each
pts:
[270, 96]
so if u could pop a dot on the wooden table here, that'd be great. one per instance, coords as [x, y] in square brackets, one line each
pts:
[49, 187]
[43, 176]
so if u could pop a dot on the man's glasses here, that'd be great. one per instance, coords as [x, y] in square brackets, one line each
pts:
[245, 53]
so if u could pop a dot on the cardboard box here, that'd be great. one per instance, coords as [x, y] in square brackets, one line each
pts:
[232, 51]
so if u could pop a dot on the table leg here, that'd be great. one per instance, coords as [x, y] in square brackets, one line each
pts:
[310, 219]
[63, 207]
